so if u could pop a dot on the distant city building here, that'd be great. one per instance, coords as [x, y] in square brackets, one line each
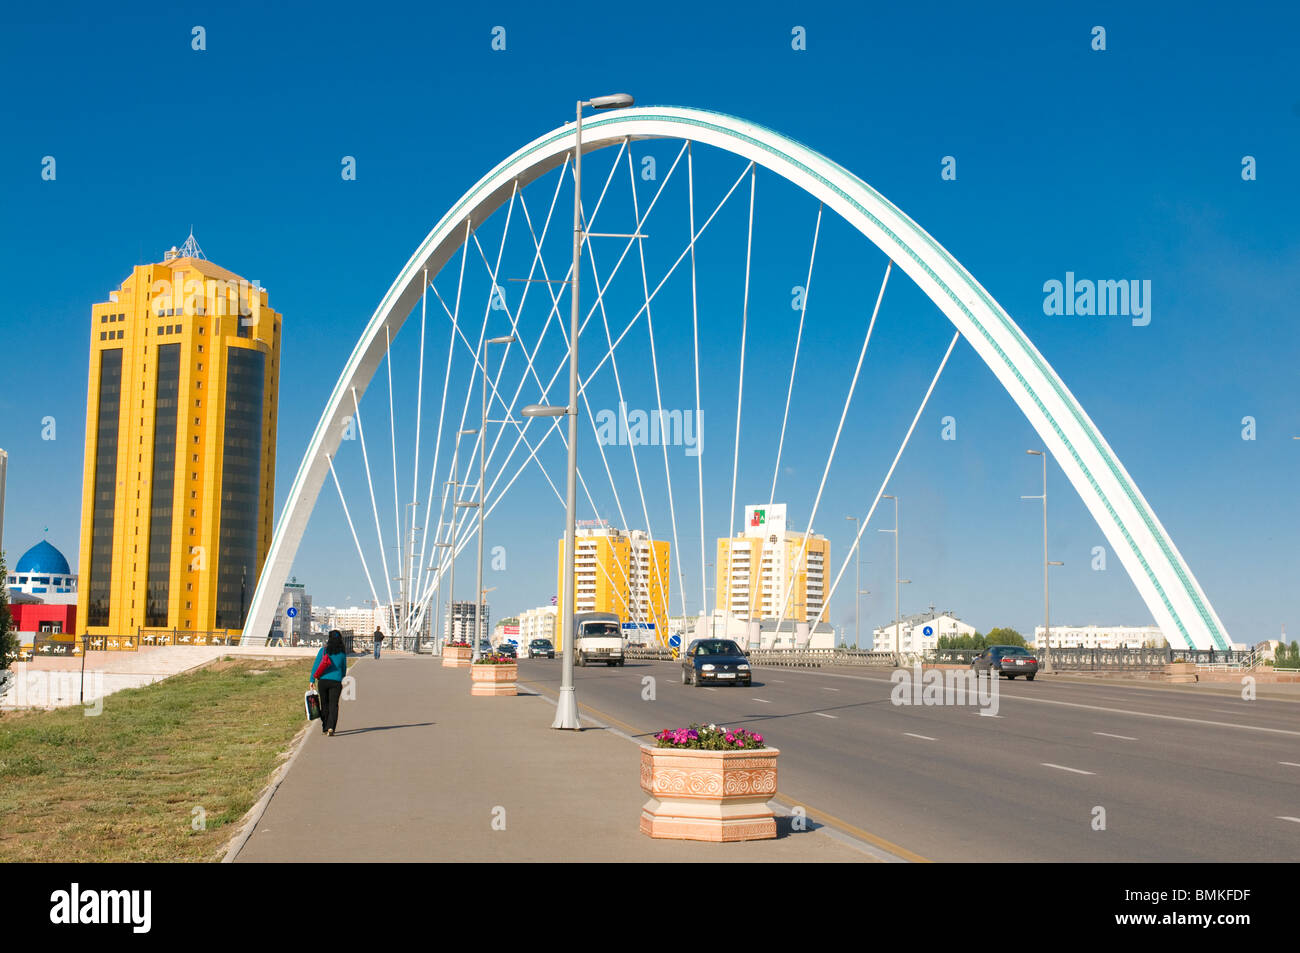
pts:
[44, 571]
[460, 622]
[920, 632]
[538, 623]
[764, 572]
[184, 372]
[296, 629]
[762, 633]
[626, 573]
[1102, 637]
[355, 621]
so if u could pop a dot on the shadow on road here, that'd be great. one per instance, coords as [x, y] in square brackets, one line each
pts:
[362, 731]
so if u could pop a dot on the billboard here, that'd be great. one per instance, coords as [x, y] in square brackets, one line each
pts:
[765, 520]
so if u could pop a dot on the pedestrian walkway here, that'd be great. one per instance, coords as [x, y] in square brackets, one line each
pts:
[421, 771]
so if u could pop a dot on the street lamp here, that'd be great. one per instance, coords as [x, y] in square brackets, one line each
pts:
[482, 491]
[566, 710]
[454, 483]
[857, 587]
[897, 582]
[1047, 624]
[438, 588]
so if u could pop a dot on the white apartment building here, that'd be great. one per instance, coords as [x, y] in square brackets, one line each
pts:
[538, 623]
[920, 632]
[1102, 637]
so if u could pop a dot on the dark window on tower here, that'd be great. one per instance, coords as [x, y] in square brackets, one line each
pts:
[101, 521]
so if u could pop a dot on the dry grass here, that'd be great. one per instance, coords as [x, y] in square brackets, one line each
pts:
[132, 783]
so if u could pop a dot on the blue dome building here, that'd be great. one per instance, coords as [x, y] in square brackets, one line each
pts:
[42, 570]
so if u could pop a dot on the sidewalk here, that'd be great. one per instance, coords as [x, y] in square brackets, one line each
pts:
[419, 770]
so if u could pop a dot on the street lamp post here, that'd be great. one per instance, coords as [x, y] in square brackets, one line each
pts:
[1047, 615]
[566, 710]
[454, 483]
[897, 582]
[437, 615]
[482, 492]
[857, 587]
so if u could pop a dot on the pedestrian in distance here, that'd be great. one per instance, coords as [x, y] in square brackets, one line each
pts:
[328, 671]
[379, 640]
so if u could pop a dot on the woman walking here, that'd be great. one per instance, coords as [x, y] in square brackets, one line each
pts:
[328, 671]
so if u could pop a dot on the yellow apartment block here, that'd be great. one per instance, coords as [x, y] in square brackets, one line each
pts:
[624, 573]
[755, 568]
[180, 449]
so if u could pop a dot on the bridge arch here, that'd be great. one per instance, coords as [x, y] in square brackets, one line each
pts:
[1147, 553]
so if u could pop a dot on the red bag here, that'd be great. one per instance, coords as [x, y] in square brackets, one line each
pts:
[326, 663]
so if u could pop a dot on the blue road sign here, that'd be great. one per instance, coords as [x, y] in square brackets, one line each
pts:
[675, 641]
[292, 612]
[928, 631]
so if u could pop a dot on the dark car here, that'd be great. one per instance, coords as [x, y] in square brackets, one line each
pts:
[716, 662]
[539, 647]
[507, 648]
[1008, 661]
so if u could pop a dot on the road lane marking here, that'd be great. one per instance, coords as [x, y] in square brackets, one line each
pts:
[819, 814]
[707, 689]
[778, 681]
[1284, 818]
[1290, 764]
[822, 714]
[1107, 734]
[922, 737]
[1061, 767]
[762, 700]
[825, 689]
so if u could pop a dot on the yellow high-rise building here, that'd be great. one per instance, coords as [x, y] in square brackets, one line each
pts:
[623, 573]
[765, 569]
[180, 449]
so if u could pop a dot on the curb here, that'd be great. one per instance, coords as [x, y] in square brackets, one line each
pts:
[255, 813]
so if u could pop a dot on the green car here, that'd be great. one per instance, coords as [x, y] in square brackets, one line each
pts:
[539, 647]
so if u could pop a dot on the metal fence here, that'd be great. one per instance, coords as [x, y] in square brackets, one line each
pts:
[155, 637]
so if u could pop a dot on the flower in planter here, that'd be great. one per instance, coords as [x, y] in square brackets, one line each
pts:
[709, 738]
[458, 645]
[494, 660]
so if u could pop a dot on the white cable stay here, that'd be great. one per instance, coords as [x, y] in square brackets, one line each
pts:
[862, 526]
[794, 363]
[830, 457]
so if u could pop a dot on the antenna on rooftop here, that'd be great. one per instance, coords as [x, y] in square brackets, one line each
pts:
[191, 248]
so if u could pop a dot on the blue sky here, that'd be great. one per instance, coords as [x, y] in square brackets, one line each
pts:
[1117, 164]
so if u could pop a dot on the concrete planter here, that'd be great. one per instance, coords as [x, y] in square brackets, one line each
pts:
[493, 679]
[708, 795]
[1180, 672]
[456, 656]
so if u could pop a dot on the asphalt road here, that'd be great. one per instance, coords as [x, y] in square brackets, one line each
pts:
[1179, 776]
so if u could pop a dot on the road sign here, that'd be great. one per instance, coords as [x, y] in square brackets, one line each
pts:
[639, 625]
[928, 631]
[675, 641]
[292, 612]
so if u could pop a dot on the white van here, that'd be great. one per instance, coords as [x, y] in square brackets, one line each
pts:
[597, 637]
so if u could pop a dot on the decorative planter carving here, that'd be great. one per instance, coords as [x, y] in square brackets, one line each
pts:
[1180, 672]
[456, 656]
[708, 795]
[493, 679]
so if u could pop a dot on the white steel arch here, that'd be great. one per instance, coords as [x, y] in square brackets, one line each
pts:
[1162, 578]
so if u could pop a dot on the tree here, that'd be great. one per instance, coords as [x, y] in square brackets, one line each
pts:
[8, 641]
[1006, 636]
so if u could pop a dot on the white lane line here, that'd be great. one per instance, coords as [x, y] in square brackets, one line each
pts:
[1107, 734]
[1282, 817]
[1290, 764]
[922, 737]
[825, 689]
[824, 715]
[707, 689]
[1228, 711]
[1061, 767]
[763, 701]
[778, 681]
[1113, 711]
[987, 714]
